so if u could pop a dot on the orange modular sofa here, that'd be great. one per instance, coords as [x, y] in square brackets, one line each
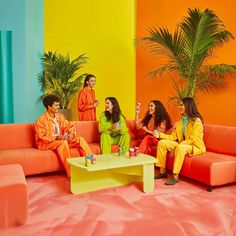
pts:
[216, 167]
[17, 146]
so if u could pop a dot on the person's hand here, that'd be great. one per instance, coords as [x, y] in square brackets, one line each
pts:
[60, 137]
[70, 137]
[156, 134]
[116, 126]
[138, 108]
[145, 128]
[96, 103]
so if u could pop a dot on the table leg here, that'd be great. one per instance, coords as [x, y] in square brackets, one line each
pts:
[148, 178]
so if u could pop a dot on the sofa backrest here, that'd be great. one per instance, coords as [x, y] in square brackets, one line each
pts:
[220, 139]
[89, 130]
[23, 135]
[135, 134]
[17, 136]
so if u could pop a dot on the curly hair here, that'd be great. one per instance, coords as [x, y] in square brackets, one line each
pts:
[114, 116]
[49, 99]
[160, 115]
[191, 108]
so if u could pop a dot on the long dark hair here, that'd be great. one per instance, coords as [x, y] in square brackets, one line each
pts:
[191, 108]
[87, 78]
[114, 116]
[160, 115]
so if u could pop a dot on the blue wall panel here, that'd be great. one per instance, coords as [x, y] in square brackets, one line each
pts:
[25, 18]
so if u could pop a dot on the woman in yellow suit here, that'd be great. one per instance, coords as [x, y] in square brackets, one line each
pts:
[187, 138]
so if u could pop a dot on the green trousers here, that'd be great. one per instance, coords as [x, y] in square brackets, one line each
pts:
[107, 140]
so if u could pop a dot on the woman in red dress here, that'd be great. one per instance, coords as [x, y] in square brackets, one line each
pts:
[87, 102]
[156, 120]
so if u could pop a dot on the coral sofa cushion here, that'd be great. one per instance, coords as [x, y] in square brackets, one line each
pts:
[17, 136]
[220, 139]
[13, 196]
[88, 130]
[32, 160]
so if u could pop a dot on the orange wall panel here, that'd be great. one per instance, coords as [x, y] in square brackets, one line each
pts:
[216, 107]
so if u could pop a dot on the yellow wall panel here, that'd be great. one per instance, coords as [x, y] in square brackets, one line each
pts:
[105, 31]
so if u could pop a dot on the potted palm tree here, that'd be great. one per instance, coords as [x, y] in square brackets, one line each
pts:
[187, 52]
[60, 77]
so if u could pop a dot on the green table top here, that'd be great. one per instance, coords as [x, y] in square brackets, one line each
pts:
[111, 161]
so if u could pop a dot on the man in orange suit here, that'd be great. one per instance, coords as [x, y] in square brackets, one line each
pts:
[54, 132]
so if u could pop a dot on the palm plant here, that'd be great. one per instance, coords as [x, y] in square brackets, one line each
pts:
[59, 76]
[187, 52]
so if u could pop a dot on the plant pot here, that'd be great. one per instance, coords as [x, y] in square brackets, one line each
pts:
[67, 113]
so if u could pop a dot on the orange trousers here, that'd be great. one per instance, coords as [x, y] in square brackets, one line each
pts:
[148, 145]
[63, 151]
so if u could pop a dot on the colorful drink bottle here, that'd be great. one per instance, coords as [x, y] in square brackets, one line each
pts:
[88, 160]
[94, 159]
[136, 151]
[131, 153]
[121, 151]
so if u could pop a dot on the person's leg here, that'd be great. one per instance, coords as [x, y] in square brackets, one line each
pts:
[147, 143]
[62, 149]
[81, 145]
[123, 140]
[106, 142]
[180, 151]
[162, 148]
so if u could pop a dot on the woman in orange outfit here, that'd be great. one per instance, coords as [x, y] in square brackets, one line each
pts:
[54, 132]
[87, 102]
[156, 119]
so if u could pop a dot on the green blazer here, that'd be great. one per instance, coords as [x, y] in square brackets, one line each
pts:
[105, 126]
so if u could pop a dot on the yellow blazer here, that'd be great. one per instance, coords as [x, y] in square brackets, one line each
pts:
[193, 135]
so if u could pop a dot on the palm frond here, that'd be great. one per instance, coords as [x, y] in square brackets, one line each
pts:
[158, 73]
[162, 42]
[59, 75]
[215, 77]
[207, 84]
[188, 49]
[220, 70]
[203, 32]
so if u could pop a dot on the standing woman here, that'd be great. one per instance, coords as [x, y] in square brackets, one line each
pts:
[156, 119]
[87, 102]
[112, 126]
[186, 139]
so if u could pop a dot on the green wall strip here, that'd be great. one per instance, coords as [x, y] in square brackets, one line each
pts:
[6, 91]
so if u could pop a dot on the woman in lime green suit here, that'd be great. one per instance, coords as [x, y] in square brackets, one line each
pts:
[187, 138]
[112, 126]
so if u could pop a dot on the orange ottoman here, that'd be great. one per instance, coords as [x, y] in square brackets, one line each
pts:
[13, 196]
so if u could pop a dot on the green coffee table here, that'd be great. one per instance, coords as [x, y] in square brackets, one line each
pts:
[111, 170]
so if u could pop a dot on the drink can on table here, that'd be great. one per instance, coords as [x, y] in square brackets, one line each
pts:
[94, 159]
[88, 160]
[121, 151]
[131, 153]
[136, 151]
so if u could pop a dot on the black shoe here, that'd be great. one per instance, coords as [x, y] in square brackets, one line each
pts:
[172, 181]
[160, 176]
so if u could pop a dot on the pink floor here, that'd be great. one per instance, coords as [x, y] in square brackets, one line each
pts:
[184, 209]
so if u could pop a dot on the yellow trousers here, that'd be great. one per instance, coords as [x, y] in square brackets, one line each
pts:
[179, 150]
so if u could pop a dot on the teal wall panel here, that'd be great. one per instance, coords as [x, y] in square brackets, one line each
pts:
[25, 18]
[6, 91]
